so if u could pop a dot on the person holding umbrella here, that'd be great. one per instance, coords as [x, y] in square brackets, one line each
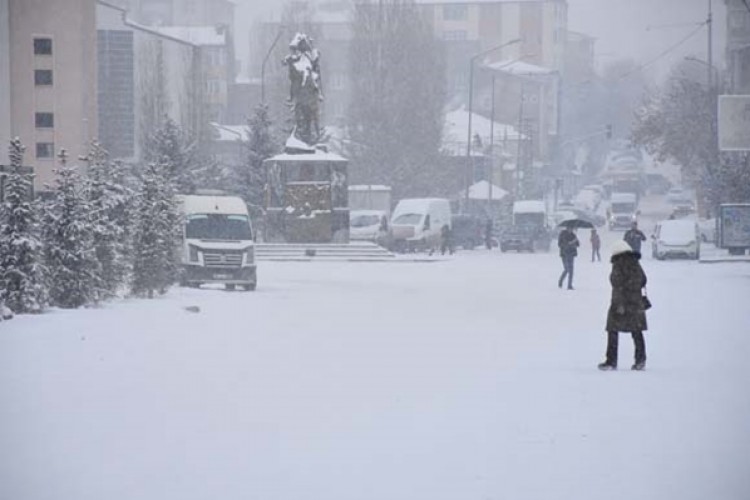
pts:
[568, 244]
[626, 310]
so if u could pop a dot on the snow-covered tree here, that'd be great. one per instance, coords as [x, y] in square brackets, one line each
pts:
[675, 123]
[248, 179]
[398, 93]
[173, 148]
[110, 202]
[70, 256]
[21, 271]
[155, 233]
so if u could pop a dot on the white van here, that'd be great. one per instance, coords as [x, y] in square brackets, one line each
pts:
[217, 243]
[416, 223]
[623, 210]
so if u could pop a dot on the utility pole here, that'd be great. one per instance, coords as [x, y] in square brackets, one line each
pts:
[492, 153]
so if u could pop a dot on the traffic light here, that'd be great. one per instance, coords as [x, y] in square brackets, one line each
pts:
[608, 131]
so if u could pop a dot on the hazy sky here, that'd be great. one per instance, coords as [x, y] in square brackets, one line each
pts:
[621, 27]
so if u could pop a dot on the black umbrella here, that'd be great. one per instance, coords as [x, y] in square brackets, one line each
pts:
[576, 224]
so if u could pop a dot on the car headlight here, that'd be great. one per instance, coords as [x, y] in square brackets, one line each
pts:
[193, 253]
[249, 255]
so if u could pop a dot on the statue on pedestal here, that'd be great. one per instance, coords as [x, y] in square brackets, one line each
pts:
[305, 93]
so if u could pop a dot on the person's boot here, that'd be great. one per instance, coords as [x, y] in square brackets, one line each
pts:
[639, 365]
[606, 366]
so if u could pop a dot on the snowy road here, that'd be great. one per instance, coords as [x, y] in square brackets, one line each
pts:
[472, 378]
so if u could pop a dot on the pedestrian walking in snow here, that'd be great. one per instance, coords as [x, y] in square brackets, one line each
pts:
[446, 240]
[634, 237]
[626, 309]
[596, 244]
[568, 244]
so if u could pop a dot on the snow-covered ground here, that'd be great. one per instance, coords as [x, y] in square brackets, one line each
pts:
[468, 378]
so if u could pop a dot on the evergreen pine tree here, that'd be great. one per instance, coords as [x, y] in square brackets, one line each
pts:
[110, 203]
[155, 233]
[21, 271]
[171, 147]
[68, 238]
[248, 179]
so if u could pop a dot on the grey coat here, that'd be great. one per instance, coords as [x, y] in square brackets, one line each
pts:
[626, 312]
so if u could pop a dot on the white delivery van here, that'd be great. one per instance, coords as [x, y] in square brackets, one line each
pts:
[217, 243]
[416, 223]
[623, 210]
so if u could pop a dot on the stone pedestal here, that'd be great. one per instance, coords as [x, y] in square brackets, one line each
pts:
[307, 198]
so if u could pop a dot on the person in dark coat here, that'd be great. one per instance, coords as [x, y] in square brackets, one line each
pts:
[446, 240]
[568, 244]
[634, 237]
[626, 312]
[596, 245]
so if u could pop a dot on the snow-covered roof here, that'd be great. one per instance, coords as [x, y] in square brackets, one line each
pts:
[316, 156]
[519, 68]
[529, 207]
[416, 205]
[230, 132]
[197, 204]
[369, 187]
[457, 126]
[196, 35]
[481, 191]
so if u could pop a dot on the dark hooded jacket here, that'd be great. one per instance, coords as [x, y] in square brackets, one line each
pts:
[626, 312]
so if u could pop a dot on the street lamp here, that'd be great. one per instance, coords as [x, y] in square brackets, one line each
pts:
[471, 101]
[263, 66]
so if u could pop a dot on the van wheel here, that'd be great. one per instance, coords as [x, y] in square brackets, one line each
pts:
[229, 286]
[250, 287]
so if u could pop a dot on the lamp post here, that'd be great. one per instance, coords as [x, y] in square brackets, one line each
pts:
[471, 103]
[263, 66]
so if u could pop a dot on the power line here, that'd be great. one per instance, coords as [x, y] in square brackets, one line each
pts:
[666, 52]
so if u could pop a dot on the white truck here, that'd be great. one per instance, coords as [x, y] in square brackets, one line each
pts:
[217, 242]
[623, 210]
[417, 223]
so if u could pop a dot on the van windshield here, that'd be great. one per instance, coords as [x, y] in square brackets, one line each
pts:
[622, 208]
[408, 219]
[218, 227]
[364, 221]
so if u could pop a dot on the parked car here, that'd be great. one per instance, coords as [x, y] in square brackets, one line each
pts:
[676, 238]
[369, 225]
[468, 231]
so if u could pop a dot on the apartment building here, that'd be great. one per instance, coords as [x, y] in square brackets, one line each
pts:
[48, 93]
[471, 26]
[145, 74]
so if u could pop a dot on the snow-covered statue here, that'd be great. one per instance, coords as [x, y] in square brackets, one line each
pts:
[306, 91]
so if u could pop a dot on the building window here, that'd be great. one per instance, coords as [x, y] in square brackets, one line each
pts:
[45, 150]
[42, 77]
[455, 12]
[43, 46]
[454, 35]
[45, 120]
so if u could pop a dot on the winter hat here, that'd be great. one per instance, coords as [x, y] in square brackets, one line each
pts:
[620, 247]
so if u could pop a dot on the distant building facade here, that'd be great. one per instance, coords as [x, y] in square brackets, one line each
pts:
[738, 46]
[48, 80]
[145, 75]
